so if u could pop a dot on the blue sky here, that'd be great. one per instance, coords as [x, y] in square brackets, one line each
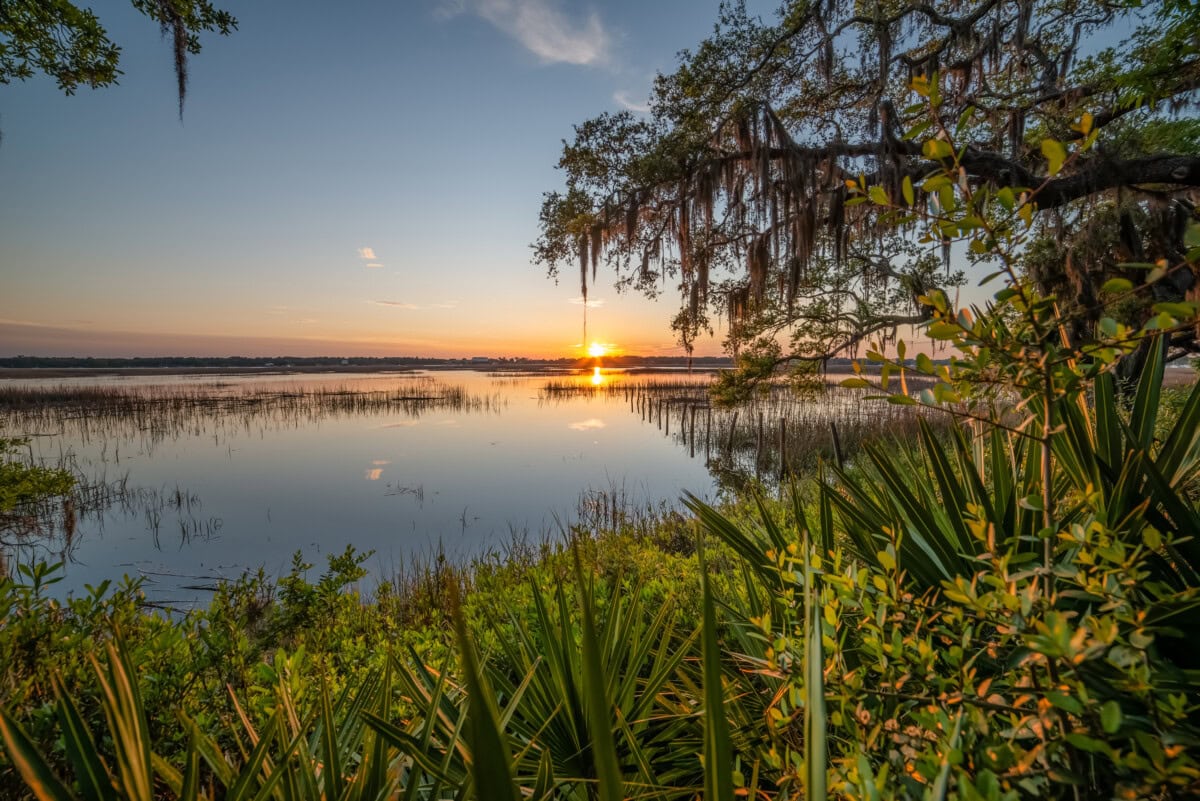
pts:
[361, 177]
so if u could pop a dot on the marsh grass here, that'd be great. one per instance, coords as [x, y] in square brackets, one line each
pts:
[48, 527]
[164, 412]
[780, 432]
[617, 508]
[419, 589]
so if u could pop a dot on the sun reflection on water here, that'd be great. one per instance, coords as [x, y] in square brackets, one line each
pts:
[597, 377]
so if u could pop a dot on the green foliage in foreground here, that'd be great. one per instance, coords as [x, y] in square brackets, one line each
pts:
[956, 660]
[259, 639]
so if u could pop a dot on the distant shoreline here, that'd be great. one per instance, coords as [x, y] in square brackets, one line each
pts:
[1174, 377]
[274, 369]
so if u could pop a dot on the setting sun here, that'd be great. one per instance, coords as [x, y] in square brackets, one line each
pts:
[597, 349]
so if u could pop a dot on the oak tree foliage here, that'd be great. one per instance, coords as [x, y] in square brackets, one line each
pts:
[67, 42]
[782, 177]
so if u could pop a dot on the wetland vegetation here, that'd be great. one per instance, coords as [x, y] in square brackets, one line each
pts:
[165, 411]
[781, 430]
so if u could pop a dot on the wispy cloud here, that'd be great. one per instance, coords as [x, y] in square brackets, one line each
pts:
[625, 101]
[367, 253]
[591, 303]
[447, 9]
[397, 304]
[541, 27]
[590, 424]
[374, 264]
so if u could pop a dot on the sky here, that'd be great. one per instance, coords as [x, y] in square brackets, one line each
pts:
[359, 178]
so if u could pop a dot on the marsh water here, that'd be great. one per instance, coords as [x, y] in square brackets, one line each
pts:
[207, 476]
[185, 480]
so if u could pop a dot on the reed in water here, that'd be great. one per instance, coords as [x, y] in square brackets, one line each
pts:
[777, 433]
[167, 411]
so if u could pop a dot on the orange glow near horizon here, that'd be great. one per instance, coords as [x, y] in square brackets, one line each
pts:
[99, 340]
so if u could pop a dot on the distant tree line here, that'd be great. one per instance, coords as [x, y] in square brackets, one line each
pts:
[207, 361]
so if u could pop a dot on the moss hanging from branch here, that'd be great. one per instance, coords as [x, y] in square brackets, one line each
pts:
[738, 179]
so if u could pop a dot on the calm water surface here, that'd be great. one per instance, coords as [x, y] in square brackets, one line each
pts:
[255, 488]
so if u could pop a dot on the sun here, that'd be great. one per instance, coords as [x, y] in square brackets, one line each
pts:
[596, 350]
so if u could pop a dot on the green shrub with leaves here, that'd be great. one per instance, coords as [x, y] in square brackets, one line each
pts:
[953, 657]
